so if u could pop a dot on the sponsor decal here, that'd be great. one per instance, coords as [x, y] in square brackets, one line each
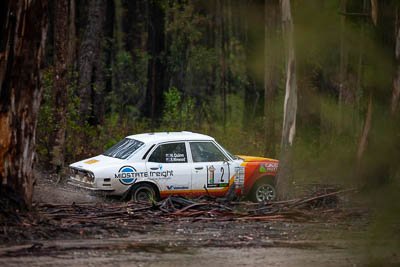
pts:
[211, 169]
[91, 161]
[218, 185]
[269, 167]
[174, 187]
[218, 176]
[126, 175]
[158, 174]
[262, 169]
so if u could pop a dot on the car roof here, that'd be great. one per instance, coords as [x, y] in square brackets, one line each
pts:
[169, 136]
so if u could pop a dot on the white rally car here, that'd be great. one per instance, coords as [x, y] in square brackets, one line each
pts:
[155, 165]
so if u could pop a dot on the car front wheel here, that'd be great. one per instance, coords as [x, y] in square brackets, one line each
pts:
[143, 192]
[263, 191]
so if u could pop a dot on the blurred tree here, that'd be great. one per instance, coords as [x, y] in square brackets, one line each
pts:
[91, 82]
[396, 79]
[343, 59]
[271, 75]
[156, 42]
[72, 31]
[22, 43]
[62, 51]
[254, 36]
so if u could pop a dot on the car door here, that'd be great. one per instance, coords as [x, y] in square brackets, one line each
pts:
[210, 168]
[168, 167]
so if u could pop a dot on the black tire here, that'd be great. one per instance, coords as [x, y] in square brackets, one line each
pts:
[143, 192]
[263, 190]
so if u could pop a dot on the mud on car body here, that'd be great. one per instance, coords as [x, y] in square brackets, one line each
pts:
[155, 165]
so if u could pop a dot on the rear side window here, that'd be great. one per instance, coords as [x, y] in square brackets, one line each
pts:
[206, 152]
[123, 148]
[169, 153]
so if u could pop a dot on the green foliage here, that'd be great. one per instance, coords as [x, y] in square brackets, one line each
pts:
[178, 114]
[45, 119]
[130, 76]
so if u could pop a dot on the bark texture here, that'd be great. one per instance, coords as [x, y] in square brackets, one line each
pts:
[23, 36]
[285, 172]
[60, 86]
[374, 11]
[396, 78]
[72, 31]
[343, 61]
[90, 57]
[156, 42]
[365, 134]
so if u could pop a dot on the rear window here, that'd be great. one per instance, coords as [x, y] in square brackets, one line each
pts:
[123, 148]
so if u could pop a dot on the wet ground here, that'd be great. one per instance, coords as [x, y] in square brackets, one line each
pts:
[186, 242]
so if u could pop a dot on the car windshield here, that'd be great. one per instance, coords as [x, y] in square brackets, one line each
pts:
[230, 154]
[123, 149]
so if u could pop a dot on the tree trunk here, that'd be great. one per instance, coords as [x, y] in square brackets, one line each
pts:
[365, 133]
[343, 63]
[374, 11]
[396, 78]
[285, 174]
[60, 82]
[254, 84]
[270, 73]
[118, 31]
[155, 66]
[23, 36]
[72, 31]
[223, 63]
[90, 52]
[220, 56]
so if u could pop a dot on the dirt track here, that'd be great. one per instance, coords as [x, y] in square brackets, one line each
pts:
[189, 244]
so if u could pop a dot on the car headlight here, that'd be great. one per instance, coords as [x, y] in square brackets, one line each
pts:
[89, 177]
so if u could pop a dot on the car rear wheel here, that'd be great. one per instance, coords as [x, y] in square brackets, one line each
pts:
[263, 191]
[143, 192]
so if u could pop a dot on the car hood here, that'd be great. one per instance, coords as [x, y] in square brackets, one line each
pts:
[253, 159]
[96, 163]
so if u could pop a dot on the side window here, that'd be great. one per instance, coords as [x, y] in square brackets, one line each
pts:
[169, 153]
[206, 152]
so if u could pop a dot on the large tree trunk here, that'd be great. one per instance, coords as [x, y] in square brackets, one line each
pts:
[396, 78]
[155, 68]
[221, 47]
[272, 24]
[89, 54]
[23, 36]
[285, 174]
[254, 87]
[118, 31]
[60, 86]
[72, 31]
